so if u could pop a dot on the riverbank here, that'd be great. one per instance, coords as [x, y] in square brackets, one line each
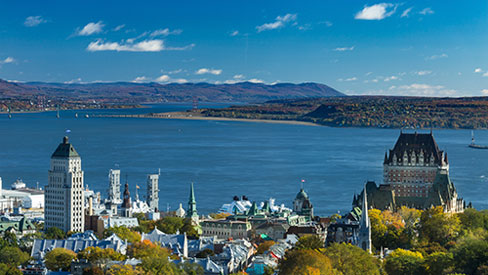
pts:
[198, 116]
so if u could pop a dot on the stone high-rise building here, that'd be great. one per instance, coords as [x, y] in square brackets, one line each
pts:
[153, 191]
[64, 197]
[114, 186]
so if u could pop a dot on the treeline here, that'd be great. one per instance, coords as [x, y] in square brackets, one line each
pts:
[370, 111]
[425, 242]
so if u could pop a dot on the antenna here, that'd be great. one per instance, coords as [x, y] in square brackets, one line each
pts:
[159, 171]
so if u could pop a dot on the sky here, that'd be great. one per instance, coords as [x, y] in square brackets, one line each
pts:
[426, 48]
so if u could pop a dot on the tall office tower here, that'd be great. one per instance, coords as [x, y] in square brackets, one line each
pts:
[153, 191]
[114, 186]
[64, 197]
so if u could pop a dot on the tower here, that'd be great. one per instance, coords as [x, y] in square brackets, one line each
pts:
[364, 239]
[64, 193]
[114, 186]
[153, 191]
[192, 206]
[125, 209]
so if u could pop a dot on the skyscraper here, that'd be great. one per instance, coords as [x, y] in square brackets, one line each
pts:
[153, 191]
[114, 186]
[64, 197]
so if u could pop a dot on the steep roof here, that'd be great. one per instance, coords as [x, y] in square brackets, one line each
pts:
[65, 150]
[413, 144]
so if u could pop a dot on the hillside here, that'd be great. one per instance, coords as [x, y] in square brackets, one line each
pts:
[370, 111]
[135, 93]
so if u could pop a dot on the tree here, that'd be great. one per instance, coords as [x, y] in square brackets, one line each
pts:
[470, 254]
[146, 249]
[305, 261]
[124, 233]
[191, 268]
[99, 255]
[157, 264]
[439, 263]
[170, 225]
[117, 269]
[9, 270]
[59, 259]
[54, 233]
[13, 256]
[310, 242]
[205, 253]
[350, 259]
[404, 262]
[472, 219]
[264, 246]
[437, 226]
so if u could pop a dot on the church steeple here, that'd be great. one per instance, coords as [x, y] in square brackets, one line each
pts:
[192, 204]
[364, 240]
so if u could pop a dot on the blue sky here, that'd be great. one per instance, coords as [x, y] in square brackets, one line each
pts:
[435, 48]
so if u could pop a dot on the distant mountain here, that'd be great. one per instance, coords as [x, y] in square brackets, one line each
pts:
[128, 92]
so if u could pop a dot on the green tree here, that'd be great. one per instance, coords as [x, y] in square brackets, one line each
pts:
[310, 242]
[205, 253]
[9, 270]
[100, 256]
[191, 268]
[304, 262]
[13, 256]
[350, 259]
[264, 246]
[156, 264]
[124, 233]
[404, 262]
[470, 254]
[437, 226]
[59, 259]
[439, 263]
[170, 225]
[472, 219]
[54, 233]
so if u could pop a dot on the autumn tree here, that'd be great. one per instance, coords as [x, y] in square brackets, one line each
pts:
[124, 233]
[404, 262]
[59, 259]
[304, 262]
[264, 246]
[9, 270]
[350, 259]
[118, 269]
[310, 242]
[100, 256]
[437, 226]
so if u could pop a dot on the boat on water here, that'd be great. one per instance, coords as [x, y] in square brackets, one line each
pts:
[474, 145]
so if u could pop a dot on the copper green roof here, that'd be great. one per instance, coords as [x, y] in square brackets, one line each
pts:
[65, 150]
[301, 195]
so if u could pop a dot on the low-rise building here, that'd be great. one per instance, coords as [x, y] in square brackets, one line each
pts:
[226, 228]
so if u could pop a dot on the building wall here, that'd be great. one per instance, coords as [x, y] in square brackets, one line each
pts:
[226, 229]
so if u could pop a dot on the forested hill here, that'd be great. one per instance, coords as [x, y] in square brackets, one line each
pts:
[370, 111]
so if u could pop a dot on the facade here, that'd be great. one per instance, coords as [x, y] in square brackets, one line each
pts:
[114, 186]
[416, 175]
[153, 191]
[302, 205]
[410, 168]
[225, 229]
[64, 193]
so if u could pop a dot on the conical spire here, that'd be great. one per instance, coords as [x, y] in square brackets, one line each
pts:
[364, 215]
[192, 204]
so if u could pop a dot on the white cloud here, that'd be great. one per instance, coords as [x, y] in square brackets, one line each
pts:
[426, 11]
[343, 49]
[420, 90]
[376, 12]
[279, 22]
[326, 23]
[155, 45]
[33, 21]
[73, 81]
[406, 12]
[238, 76]
[437, 56]
[167, 79]
[348, 79]
[119, 27]
[140, 79]
[478, 70]
[163, 78]
[208, 71]
[164, 32]
[423, 72]
[91, 28]
[255, 80]
[390, 78]
[484, 91]
[485, 74]
[234, 33]
[7, 60]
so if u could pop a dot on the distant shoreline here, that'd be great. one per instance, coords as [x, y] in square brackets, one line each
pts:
[196, 116]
